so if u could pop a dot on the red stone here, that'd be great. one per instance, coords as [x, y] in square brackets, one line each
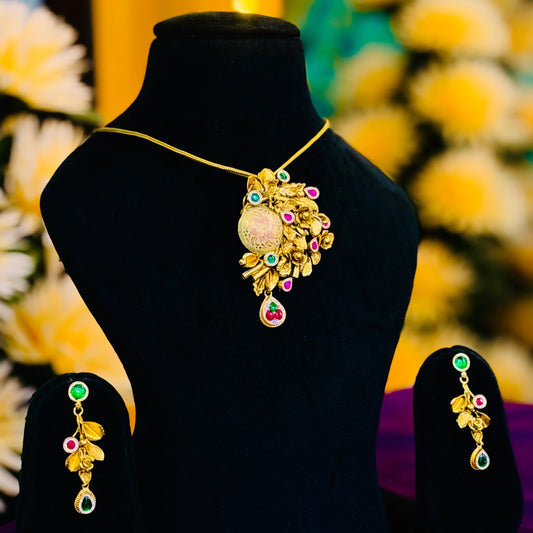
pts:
[279, 314]
[270, 315]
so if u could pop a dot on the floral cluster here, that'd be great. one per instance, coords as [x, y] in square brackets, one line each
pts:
[45, 327]
[445, 108]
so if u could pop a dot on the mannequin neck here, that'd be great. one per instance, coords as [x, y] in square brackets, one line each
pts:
[218, 77]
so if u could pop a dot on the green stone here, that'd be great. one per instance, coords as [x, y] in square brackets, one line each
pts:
[78, 392]
[460, 362]
[482, 460]
[86, 504]
[272, 307]
[255, 197]
[283, 176]
[271, 259]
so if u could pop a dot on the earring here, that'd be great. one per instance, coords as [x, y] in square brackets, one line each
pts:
[82, 451]
[467, 406]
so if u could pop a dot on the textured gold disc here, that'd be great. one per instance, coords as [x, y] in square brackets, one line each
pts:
[260, 229]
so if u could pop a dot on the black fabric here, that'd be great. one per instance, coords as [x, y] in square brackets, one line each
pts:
[451, 496]
[258, 430]
[48, 489]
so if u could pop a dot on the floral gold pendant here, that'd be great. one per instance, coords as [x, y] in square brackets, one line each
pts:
[283, 230]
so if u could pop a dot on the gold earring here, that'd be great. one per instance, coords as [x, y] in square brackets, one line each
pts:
[82, 451]
[467, 406]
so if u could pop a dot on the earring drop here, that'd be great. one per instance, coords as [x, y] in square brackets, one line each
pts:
[467, 406]
[82, 451]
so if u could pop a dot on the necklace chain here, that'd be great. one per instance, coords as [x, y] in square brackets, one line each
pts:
[199, 159]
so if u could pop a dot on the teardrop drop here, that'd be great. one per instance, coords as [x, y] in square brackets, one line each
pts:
[272, 314]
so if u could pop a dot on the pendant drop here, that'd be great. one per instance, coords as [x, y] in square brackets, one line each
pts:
[479, 460]
[272, 313]
[85, 501]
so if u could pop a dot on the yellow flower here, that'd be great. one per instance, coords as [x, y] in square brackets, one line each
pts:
[373, 5]
[513, 367]
[468, 99]
[385, 135]
[38, 61]
[468, 190]
[524, 111]
[516, 320]
[15, 266]
[471, 27]
[13, 401]
[369, 78]
[52, 325]
[441, 282]
[35, 155]
[520, 22]
[416, 345]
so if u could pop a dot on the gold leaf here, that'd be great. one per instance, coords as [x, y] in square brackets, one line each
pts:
[296, 270]
[458, 404]
[463, 419]
[271, 280]
[249, 260]
[85, 477]
[315, 258]
[289, 232]
[477, 436]
[316, 226]
[95, 452]
[307, 267]
[284, 267]
[73, 461]
[259, 286]
[93, 430]
[300, 243]
[326, 240]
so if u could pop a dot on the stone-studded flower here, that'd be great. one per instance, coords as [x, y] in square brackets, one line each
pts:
[384, 135]
[39, 62]
[473, 27]
[369, 78]
[467, 99]
[52, 325]
[469, 190]
[36, 152]
[13, 407]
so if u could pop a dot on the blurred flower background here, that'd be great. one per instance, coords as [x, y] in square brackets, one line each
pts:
[437, 93]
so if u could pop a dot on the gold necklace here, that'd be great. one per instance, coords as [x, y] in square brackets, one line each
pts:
[280, 226]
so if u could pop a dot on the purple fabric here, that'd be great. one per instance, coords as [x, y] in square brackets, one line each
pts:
[396, 448]
[8, 528]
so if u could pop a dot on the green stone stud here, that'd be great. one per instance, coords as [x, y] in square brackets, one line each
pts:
[272, 307]
[255, 197]
[461, 362]
[78, 391]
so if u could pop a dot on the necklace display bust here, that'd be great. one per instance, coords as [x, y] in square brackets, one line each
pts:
[240, 428]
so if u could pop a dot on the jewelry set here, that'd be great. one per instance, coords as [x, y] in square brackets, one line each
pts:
[282, 229]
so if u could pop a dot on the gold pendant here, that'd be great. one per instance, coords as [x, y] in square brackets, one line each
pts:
[283, 230]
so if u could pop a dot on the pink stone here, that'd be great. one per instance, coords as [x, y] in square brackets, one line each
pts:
[479, 401]
[71, 444]
[287, 285]
[288, 217]
[312, 192]
[325, 224]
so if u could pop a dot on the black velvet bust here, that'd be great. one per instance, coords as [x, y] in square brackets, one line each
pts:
[240, 428]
